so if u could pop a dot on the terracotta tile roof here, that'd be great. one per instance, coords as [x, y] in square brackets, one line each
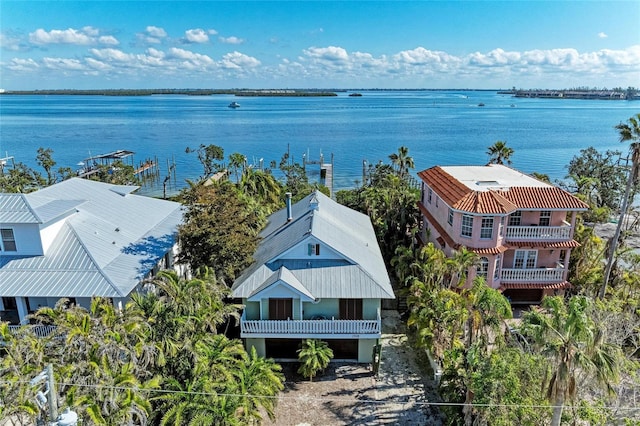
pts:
[446, 238]
[446, 186]
[549, 198]
[489, 250]
[485, 202]
[460, 197]
[535, 286]
[545, 244]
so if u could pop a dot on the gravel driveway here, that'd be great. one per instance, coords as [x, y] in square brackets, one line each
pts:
[349, 394]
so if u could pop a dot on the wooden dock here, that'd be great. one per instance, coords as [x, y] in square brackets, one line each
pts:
[326, 170]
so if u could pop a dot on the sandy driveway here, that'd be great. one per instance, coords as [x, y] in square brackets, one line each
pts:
[349, 394]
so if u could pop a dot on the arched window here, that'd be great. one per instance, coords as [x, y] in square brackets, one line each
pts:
[482, 270]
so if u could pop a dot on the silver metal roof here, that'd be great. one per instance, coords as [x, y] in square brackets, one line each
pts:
[111, 239]
[15, 209]
[359, 273]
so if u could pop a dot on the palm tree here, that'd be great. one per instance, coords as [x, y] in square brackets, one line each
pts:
[237, 161]
[314, 355]
[402, 161]
[567, 335]
[500, 153]
[629, 132]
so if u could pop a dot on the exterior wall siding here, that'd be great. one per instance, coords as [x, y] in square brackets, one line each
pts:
[27, 238]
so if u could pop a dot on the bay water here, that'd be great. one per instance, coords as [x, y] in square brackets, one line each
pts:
[438, 127]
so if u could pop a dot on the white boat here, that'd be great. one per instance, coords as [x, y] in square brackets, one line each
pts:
[234, 105]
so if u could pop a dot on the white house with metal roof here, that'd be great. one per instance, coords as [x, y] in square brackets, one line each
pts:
[318, 273]
[78, 239]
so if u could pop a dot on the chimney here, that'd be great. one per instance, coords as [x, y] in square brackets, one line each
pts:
[289, 213]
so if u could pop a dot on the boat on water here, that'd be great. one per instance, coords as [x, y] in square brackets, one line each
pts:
[480, 104]
[234, 105]
[355, 94]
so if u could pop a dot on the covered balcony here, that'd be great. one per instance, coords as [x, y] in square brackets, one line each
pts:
[533, 275]
[539, 233]
[311, 328]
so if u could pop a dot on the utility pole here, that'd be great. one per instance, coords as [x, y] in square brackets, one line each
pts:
[53, 397]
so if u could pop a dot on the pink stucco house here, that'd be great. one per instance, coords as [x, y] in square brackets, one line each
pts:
[521, 228]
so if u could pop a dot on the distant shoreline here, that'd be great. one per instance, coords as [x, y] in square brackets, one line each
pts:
[616, 94]
[611, 95]
[209, 92]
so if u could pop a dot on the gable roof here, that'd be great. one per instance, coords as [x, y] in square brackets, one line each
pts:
[109, 241]
[495, 189]
[359, 273]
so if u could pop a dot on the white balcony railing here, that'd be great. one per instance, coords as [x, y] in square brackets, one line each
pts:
[309, 328]
[532, 275]
[538, 233]
[38, 330]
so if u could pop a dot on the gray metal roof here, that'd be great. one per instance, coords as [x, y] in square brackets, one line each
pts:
[360, 273]
[111, 239]
[15, 209]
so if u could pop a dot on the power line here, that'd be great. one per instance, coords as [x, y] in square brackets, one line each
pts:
[408, 399]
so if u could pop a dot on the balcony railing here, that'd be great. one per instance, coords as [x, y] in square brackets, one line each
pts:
[532, 275]
[38, 330]
[538, 232]
[309, 328]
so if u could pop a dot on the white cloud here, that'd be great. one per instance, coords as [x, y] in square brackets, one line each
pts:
[97, 65]
[329, 54]
[68, 36]
[9, 43]
[196, 36]
[112, 55]
[237, 60]
[190, 59]
[23, 65]
[602, 35]
[231, 40]
[212, 32]
[64, 64]
[108, 40]
[85, 36]
[156, 32]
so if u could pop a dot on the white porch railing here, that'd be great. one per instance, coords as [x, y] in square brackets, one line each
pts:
[532, 275]
[538, 233]
[308, 328]
[38, 330]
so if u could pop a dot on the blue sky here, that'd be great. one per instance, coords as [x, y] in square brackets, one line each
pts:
[331, 44]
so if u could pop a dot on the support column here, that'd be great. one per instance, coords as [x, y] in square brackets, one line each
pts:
[23, 311]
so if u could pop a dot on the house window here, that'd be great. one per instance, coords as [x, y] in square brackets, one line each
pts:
[314, 249]
[486, 230]
[429, 193]
[8, 239]
[525, 259]
[545, 218]
[437, 200]
[563, 257]
[515, 218]
[482, 269]
[467, 225]
[501, 231]
[498, 266]
[450, 219]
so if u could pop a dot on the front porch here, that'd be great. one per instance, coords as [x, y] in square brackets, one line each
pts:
[311, 328]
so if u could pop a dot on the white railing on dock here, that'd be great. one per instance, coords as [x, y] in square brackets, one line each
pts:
[309, 327]
[532, 275]
[38, 330]
[538, 232]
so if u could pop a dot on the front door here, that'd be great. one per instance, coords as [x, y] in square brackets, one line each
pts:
[350, 309]
[280, 309]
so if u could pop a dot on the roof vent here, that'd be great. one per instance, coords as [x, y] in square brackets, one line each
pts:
[289, 212]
